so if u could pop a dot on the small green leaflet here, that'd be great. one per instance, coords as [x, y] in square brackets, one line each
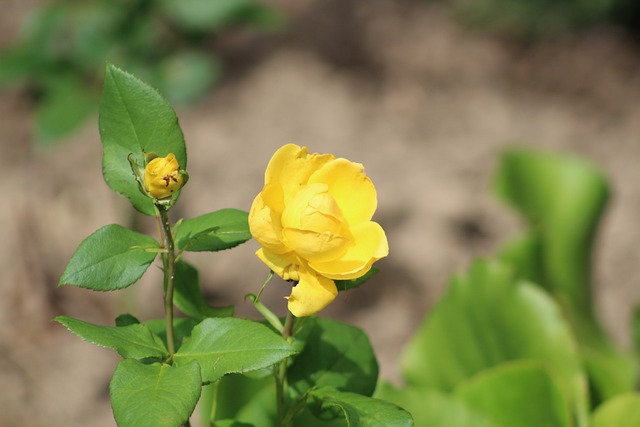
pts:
[112, 258]
[345, 285]
[214, 231]
[134, 341]
[363, 411]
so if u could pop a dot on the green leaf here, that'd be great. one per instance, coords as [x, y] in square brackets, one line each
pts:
[214, 231]
[533, 398]
[17, 63]
[230, 345]
[182, 329]
[204, 15]
[186, 75]
[235, 391]
[563, 199]
[232, 423]
[126, 320]
[345, 285]
[487, 318]
[336, 355]
[188, 296]
[621, 411]
[112, 258]
[362, 411]
[131, 342]
[154, 395]
[65, 106]
[134, 119]
[433, 408]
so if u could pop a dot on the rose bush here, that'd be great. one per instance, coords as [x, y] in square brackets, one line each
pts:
[313, 221]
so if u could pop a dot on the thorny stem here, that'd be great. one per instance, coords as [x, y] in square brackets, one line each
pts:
[281, 373]
[169, 264]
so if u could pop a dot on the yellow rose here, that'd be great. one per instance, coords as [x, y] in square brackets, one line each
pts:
[162, 177]
[313, 221]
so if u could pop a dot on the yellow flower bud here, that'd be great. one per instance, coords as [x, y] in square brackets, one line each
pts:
[313, 221]
[162, 177]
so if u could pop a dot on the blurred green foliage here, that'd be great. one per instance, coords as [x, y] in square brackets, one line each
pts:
[534, 19]
[516, 340]
[60, 52]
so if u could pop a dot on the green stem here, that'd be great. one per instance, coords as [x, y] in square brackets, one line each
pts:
[214, 404]
[280, 372]
[169, 264]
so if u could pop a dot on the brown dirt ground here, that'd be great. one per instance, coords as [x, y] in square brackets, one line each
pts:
[424, 103]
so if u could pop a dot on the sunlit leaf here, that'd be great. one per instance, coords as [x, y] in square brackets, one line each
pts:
[229, 345]
[487, 318]
[521, 393]
[214, 231]
[621, 411]
[112, 258]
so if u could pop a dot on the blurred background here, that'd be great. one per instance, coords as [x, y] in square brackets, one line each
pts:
[426, 94]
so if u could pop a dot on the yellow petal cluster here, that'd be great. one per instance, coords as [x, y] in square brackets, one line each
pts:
[162, 177]
[313, 221]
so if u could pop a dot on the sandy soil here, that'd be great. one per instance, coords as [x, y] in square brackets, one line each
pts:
[425, 104]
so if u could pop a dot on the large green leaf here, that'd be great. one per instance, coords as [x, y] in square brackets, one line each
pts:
[521, 393]
[188, 296]
[363, 411]
[112, 258]
[563, 199]
[337, 355]
[621, 411]
[134, 341]
[214, 231]
[433, 408]
[230, 345]
[134, 119]
[487, 318]
[154, 395]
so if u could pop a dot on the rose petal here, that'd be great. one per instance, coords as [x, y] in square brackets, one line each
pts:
[370, 244]
[284, 265]
[311, 294]
[289, 169]
[318, 247]
[265, 226]
[352, 190]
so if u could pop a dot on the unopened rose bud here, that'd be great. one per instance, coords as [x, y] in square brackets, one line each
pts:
[162, 177]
